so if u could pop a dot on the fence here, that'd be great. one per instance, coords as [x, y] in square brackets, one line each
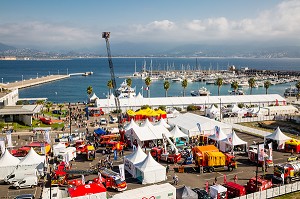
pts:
[273, 192]
[234, 120]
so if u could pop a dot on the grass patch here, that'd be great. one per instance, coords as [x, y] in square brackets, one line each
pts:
[18, 126]
[295, 195]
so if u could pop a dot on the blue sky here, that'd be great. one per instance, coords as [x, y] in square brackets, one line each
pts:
[74, 23]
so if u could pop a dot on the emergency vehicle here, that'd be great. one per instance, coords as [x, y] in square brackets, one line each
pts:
[262, 184]
[234, 190]
[289, 171]
[111, 179]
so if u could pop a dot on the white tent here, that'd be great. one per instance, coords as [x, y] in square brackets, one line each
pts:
[232, 141]
[150, 171]
[212, 112]
[132, 124]
[189, 124]
[163, 123]
[93, 98]
[219, 135]
[8, 164]
[177, 133]
[32, 160]
[134, 158]
[278, 137]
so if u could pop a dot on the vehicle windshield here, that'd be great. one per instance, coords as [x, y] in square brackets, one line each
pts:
[118, 181]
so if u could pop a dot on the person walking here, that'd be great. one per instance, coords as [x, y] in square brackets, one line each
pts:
[167, 168]
[175, 179]
[235, 178]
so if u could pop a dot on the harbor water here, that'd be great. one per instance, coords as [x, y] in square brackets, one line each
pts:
[73, 89]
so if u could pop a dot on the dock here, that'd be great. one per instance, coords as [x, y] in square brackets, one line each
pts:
[33, 82]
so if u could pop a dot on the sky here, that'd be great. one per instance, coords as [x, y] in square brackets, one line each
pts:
[79, 23]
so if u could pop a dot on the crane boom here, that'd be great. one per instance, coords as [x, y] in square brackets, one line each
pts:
[106, 36]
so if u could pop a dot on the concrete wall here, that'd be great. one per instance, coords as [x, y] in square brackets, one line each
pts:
[10, 99]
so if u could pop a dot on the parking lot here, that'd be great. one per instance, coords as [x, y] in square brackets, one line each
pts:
[191, 177]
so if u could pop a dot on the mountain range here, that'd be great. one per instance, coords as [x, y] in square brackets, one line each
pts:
[127, 49]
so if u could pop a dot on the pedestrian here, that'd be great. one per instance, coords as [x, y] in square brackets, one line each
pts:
[167, 168]
[215, 182]
[175, 179]
[292, 152]
[18, 137]
[235, 178]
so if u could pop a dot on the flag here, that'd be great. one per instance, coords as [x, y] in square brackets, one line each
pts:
[147, 88]
[261, 153]
[199, 127]
[82, 179]
[8, 138]
[217, 132]
[2, 145]
[47, 136]
[271, 152]
[122, 171]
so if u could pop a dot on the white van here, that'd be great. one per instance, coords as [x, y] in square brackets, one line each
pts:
[67, 154]
[18, 175]
[28, 181]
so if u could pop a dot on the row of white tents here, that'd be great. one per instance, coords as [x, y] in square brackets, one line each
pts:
[10, 164]
[144, 167]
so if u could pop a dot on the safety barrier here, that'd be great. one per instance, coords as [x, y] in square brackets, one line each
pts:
[273, 192]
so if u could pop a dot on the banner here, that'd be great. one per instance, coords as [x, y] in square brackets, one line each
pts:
[217, 132]
[2, 146]
[47, 136]
[261, 153]
[8, 138]
[82, 179]
[225, 179]
[99, 177]
[271, 152]
[199, 127]
[122, 171]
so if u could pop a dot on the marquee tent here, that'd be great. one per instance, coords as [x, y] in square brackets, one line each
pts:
[134, 158]
[189, 124]
[33, 160]
[212, 112]
[8, 164]
[177, 133]
[163, 123]
[232, 141]
[278, 137]
[93, 98]
[132, 124]
[149, 171]
[219, 135]
[186, 193]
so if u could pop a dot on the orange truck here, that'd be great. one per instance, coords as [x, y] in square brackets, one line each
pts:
[210, 158]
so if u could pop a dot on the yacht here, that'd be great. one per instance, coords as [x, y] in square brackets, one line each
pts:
[125, 91]
[201, 92]
[236, 92]
[178, 79]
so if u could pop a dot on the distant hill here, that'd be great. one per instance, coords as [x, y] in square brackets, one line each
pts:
[4, 47]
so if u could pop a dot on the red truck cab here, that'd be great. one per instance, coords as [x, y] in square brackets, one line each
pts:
[235, 190]
[262, 184]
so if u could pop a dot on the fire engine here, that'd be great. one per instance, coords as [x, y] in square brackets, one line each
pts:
[60, 174]
[290, 171]
[111, 179]
[88, 150]
[262, 184]
[172, 156]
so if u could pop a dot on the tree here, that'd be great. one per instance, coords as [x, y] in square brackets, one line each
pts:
[129, 82]
[235, 86]
[60, 106]
[148, 83]
[89, 90]
[166, 87]
[110, 85]
[184, 84]
[219, 83]
[49, 105]
[267, 85]
[251, 83]
[298, 88]
[40, 102]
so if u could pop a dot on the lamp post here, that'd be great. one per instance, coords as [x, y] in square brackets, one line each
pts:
[256, 176]
[70, 114]
[58, 72]
[67, 71]
[220, 108]
[49, 73]
[37, 75]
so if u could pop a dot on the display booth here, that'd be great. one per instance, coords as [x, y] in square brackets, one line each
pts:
[292, 145]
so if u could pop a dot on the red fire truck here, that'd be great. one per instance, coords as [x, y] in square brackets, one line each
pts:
[262, 184]
[234, 190]
[289, 171]
[111, 179]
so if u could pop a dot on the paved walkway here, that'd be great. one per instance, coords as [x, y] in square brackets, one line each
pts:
[250, 130]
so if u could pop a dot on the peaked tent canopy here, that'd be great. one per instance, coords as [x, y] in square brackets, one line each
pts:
[186, 193]
[219, 135]
[132, 124]
[150, 171]
[163, 123]
[234, 140]
[32, 160]
[135, 157]
[8, 164]
[177, 133]
[278, 137]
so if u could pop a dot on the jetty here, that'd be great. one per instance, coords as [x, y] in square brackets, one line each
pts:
[33, 82]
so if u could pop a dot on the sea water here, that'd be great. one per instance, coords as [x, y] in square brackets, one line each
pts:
[73, 89]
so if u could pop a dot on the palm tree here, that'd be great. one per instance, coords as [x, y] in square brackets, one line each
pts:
[166, 87]
[40, 102]
[110, 85]
[60, 106]
[267, 84]
[184, 84]
[298, 88]
[89, 90]
[49, 105]
[219, 83]
[251, 83]
[148, 83]
[235, 86]
[129, 82]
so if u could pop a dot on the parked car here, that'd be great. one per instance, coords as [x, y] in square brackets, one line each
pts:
[25, 196]
[103, 121]
[113, 120]
[202, 194]
[28, 181]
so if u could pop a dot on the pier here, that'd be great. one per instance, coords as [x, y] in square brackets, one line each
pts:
[33, 82]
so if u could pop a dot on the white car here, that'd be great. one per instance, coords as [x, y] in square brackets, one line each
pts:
[103, 121]
[29, 181]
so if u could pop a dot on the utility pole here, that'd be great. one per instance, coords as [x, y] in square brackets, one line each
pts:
[256, 183]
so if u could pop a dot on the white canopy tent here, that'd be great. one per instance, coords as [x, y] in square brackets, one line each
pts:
[177, 133]
[189, 124]
[8, 164]
[150, 171]
[132, 124]
[278, 137]
[212, 112]
[219, 135]
[93, 98]
[135, 157]
[162, 122]
[33, 161]
[232, 141]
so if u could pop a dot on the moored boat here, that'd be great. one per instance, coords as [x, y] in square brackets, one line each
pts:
[201, 92]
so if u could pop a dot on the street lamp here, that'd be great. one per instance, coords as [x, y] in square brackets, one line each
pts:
[58, 72]
[70, 114]
[256, 184]
[67, 71]
[22, 79]
[37, 75]
[220, 108]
